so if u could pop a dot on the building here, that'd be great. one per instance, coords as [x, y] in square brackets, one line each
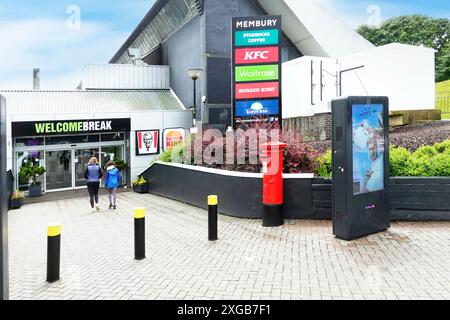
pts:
[140, 104]
[322, 58]
[61, 130]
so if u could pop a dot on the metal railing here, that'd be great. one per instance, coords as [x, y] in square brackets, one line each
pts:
[443, 103]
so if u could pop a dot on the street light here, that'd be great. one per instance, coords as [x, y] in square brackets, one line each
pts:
[194, 74]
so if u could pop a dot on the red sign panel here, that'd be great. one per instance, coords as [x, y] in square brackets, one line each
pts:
[256, 55]
[257, 90]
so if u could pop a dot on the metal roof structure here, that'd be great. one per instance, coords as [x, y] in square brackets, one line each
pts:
[306, 23]
[29, 102]
[163, 20]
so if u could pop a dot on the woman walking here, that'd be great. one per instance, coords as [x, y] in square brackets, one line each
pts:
[112, 180]
[93, 174]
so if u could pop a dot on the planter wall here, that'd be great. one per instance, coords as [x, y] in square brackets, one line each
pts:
[193, 187]
[141, 188]
[240, 194]
[419, 199]
[35, 190]
[15, 203]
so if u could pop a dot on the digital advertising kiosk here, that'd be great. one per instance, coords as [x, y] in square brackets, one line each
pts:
[360, 156]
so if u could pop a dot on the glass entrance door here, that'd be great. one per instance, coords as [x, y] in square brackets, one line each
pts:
[81, 160]
[113, 153]
[58, 166]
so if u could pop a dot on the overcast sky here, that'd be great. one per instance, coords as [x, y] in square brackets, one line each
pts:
[47, 33]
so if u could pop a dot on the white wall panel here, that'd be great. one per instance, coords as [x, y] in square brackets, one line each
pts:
[124, 76]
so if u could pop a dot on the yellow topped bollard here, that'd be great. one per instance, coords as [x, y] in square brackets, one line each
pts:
[212, 217]
[139, 213]
[139, 233]
[53, 251]
[212, 200]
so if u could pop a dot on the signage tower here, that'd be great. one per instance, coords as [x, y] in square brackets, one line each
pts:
[256, 69]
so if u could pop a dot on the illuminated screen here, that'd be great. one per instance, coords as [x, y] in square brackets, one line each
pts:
[368, 148]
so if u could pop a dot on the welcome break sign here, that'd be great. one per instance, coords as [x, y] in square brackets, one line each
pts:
[256, 69]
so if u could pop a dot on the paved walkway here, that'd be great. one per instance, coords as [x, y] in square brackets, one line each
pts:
[61, 195]
[301, 260]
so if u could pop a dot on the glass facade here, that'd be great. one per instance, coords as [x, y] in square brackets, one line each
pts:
[72, 139]
[65, 157]
[167, 21]
[29, 142]
[22, 159]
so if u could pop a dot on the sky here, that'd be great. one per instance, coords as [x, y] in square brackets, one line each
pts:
[60, 36]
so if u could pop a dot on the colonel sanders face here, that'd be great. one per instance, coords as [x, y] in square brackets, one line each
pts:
[148, 140]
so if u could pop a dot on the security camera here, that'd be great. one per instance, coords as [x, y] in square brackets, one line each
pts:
[203, 99]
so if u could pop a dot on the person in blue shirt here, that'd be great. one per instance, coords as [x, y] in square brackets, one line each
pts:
[93, 174]
[112, 181]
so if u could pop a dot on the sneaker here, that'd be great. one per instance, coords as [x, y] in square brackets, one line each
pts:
[114, 207]
[93, 210]
[97, 208]
[110, 206]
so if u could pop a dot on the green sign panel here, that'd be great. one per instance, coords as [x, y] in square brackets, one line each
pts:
[256, 37]
[256, 73]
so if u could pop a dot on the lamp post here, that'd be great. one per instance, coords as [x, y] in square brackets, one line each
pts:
[194, 74]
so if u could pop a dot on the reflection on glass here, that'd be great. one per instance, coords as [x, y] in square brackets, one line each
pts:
[29, 142]
[82, 157]
[59, 169]
[37, 158]
[120, 136]
[72, 139]
[111, 153]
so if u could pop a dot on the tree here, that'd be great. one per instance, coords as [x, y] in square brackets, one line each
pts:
[416, 30]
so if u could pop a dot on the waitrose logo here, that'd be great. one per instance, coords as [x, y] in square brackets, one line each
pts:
[256, 73]
[70, 127]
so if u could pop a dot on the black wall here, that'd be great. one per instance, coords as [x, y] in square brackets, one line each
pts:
[410, 199]
[3, 205]
[238, 196]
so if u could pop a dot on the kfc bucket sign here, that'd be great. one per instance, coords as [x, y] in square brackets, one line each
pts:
[147, 142]
[171, 137]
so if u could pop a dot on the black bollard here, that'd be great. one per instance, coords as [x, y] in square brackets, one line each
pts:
[212, 217]
[53, 252]
[139, 233]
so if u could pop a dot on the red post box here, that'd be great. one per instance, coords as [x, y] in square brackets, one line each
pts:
[272, 162]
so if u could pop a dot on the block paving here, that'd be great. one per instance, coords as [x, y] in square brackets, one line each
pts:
[300, 260]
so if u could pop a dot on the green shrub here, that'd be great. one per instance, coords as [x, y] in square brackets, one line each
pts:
[30, 171]
[443, 147]
[399, 161]
[440, 165]
[176, 153]
[425, 152]
[427, 161]
[419, 166]
[324, 168]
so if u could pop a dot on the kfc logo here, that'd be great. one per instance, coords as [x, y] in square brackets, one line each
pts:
[147, 142]
[256, 55]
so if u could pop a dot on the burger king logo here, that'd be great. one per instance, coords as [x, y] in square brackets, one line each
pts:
[173, 136]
